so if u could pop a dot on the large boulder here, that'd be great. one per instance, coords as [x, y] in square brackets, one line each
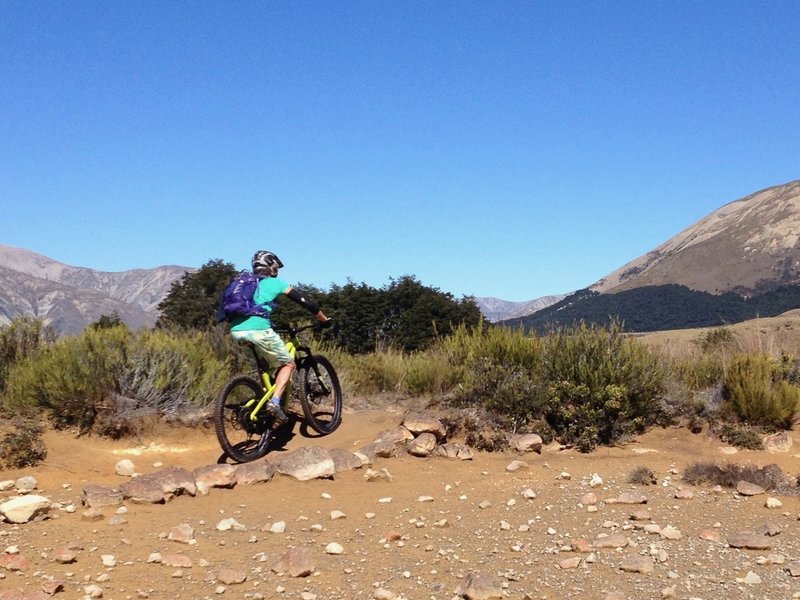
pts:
[417, 423]
[254, 472]
[211, 476]
[526, 442]
[160, 486]
[306, 463]
[24, 508]
[422, 445]
[98, 496]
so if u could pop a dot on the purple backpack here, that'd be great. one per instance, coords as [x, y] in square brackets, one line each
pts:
[237, 299]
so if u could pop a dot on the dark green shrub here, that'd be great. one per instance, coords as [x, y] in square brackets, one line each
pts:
[741, 437]
[106, 321]
[24, 446]
[755, 391]
[587, 417]
[602, 385]
[590, 385]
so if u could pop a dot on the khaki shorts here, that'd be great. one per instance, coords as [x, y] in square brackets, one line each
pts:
[268, 345]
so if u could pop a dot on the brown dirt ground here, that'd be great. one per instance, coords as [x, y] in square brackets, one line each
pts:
[430, 561]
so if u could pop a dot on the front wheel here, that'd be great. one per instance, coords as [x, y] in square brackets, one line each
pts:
[320, 394]
[242, 438]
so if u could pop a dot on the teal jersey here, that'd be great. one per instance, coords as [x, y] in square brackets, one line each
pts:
[268, 289]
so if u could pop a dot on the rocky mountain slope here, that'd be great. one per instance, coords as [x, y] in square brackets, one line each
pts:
[749, 245]
[69, 298]
[495, 309]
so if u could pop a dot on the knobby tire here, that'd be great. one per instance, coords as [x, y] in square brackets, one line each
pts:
[320, 394]
[240, 439]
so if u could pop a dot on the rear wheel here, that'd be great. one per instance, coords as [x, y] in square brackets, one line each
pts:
[242, 438]
[320, 394]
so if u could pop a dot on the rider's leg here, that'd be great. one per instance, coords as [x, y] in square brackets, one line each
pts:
[270, 347]
[284, 374]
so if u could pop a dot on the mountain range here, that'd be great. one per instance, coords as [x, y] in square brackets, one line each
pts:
[495, 309]
[69, 298]
[741, 258]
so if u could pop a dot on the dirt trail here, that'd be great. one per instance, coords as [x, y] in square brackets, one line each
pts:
[454, 518]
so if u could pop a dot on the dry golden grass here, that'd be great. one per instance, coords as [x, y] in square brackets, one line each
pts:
[771, 336]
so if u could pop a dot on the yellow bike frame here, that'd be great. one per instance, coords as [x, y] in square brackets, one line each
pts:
[269, 388]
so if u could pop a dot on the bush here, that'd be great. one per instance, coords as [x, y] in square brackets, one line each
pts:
[642, 476]
[167, 370]
[741, 438]
[587, 417]
[481, 429]
[377, 372]
[428, 373]
[497, 369]
[507, 391]
[729, 475]
[755, 391]
[590, 385]
[23, 447]
[601, 385]
[71, 378]
[21, 338]
[719, 339]
[106, 377]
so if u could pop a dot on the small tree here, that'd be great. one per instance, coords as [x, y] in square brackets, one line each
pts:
[107, 321]
[192, 301]
[21, 338]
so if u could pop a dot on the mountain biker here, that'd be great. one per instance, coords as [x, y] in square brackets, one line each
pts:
[258, 331]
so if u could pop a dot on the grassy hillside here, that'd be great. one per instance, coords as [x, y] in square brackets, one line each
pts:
[663, 307]
[770, 335]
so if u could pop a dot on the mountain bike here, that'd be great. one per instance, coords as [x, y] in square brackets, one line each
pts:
[242, 422]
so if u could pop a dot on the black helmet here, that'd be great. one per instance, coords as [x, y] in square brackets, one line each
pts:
[265, 262]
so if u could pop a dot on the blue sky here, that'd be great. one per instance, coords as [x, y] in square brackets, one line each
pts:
[507, 149]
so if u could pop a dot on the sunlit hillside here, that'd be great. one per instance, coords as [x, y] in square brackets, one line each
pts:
[772, 335]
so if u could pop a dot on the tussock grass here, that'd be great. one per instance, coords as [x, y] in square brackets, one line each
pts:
[642, 476]
[757, 391]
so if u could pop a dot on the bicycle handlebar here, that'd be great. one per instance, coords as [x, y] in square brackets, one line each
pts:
[293, 331]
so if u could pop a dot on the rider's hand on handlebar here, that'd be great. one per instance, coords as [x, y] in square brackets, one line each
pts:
[319, 326]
